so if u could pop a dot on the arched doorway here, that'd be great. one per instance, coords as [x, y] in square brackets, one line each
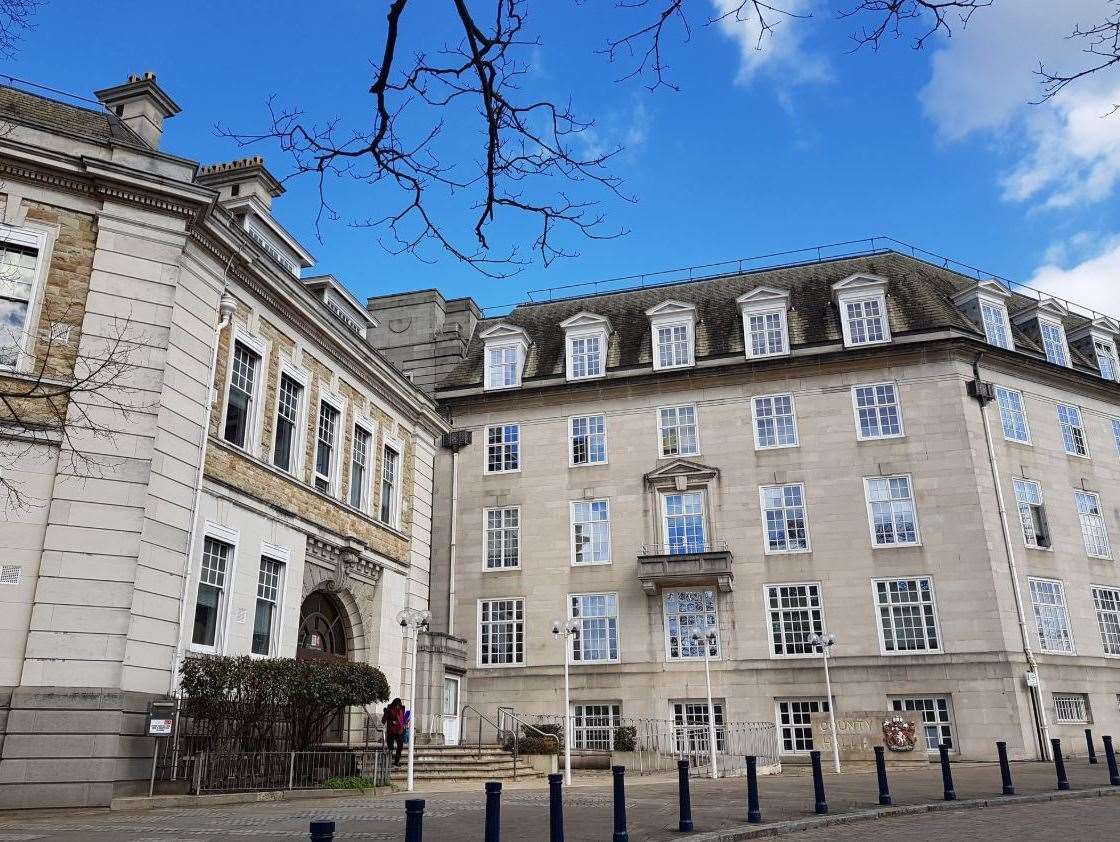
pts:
[322, 628]
[323, 636]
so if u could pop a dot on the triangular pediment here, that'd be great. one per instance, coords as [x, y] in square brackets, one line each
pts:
[501, 331]
[671, 307]
[584, 319]
[991, 289]
[1045, 307]
[860, 282]
[688, 470]
[1104, 327]
[764, 296]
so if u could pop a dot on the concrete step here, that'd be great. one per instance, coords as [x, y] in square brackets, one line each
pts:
[401, 773]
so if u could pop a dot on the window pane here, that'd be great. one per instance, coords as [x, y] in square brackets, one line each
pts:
[878, 411]
[243, 375]
[795, 617]
[686, 611]
[774, 421]
[1012, 415]
[211, 585]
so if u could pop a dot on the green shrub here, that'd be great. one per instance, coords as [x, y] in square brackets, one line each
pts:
[625, 738]
[531, 741]
[349, 783]
[244, 700]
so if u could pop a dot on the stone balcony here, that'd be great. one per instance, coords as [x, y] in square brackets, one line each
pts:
[661, 566]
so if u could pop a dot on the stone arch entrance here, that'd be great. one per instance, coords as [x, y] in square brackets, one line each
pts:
[323, 628]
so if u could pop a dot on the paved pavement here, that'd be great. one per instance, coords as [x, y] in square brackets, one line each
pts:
[457, 816]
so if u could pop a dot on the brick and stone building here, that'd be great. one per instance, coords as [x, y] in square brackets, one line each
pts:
[876, 447]
[258, 480]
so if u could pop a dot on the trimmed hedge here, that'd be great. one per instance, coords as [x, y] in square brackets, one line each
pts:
[531, 742]
[625, 738]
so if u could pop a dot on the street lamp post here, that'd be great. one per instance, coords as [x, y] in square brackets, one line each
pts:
[564, 632]
[415, 619]
[708, 642]
[824, 645]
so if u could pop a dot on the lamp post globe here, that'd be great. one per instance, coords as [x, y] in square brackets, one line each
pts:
[707, 641]
[823, 644]
[417, 621]
[564, 631]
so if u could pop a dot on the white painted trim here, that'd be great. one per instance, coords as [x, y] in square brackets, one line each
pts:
[1026, 420]
[572, 534]
[1065, 607]
[600, 335]
[256, 345]
[762, 512]
[232, 537]
[754, 422]
[871, 518]
[396, 504]
[571, 436]
[879, 617]
[660, 429]
[617, 630]
[478, 633]
[842, 303]
[486, 543]
[486, 449]
[669, 659]
[765, 307]
[299, 435]
[897, 402]
[766, 617]
[368, 426]
[338, 403]
[42, 238]
[1055, 323]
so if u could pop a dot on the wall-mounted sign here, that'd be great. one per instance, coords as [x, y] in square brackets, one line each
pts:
[161, 718]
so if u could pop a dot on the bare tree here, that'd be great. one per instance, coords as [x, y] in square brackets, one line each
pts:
[1100, 42]
[15, 21]
[534, 161]
[76, 395]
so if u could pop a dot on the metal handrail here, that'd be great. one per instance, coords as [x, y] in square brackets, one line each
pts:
[516, 718]
[498, 730]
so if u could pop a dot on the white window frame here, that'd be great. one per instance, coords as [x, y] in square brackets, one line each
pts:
[581, 730]
[1106, 605]
[1116, 433]
[702, 493]
[517, 601]
[749, 333]
[691, 734]
[1080, 427]
[1022, 411]
[232, 537]
[1072, 709]
[486, 512]
[822, 707]
[299, 434]
[891, 605]
[1110, 353]
[758, 445]
[687, 641]
[279, 556]
[661, 454]
[877, 406]
[1027, 540]
[572, 463]
[572, 522]
[396, 500]
[503, 444]
[1088, 520]
[370, 429]
[1064, 606]
[599, 335]
[577, 638]
[917, 542]
[863, 297]
[918, 704]
[815, 613]
[666, 316]
[258, 346]
[766, 548]
[43, 242]
[1063, 346]
[338, 404]
[1001, 312]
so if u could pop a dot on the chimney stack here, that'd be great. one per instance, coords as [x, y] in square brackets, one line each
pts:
[141, 104]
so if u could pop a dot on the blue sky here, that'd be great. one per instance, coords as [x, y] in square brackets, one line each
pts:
[800, 143]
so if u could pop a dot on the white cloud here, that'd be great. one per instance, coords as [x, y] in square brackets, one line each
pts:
[1062, 152]
[781, 50]
[1093, 282]
[627, 128]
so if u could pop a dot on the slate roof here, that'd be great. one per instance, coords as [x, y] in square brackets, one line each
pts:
[919, 298]
[98, 125]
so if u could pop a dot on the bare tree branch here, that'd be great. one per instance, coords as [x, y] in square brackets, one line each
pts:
[891, 18]
[15, 21]
[1100, 42]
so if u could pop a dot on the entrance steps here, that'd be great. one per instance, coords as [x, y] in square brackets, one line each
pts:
[450, 763]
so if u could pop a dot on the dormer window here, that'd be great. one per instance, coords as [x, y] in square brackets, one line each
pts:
[505, 348]
[1105, 352]
[862, 302]
[673, 327]
[985, 303]
[585, 342]
[1054, 341]
[765, 329]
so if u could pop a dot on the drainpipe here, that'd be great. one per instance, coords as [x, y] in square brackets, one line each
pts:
[227, 306]
[983, 397]
[452, 544]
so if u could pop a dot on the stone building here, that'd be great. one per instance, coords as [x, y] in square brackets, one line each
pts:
[254, 479]
[875, 447]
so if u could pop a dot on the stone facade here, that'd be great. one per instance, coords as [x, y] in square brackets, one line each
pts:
[978, 668]
[102, 555]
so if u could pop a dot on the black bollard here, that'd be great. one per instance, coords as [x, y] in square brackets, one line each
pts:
[493, 811]
[1005, 769]
[555, 808]
[322, 831]
[685, 825]
[818, 783]
[620, 834]
[1089, 747]
[1110, 759]
[414, 820]
[1059, 763]
[754, 814]
[881, 773]
[946, 773]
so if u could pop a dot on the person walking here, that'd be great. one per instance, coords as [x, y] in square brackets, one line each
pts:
[394, 721]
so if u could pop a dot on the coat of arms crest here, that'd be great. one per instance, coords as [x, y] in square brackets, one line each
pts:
[899, 734]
